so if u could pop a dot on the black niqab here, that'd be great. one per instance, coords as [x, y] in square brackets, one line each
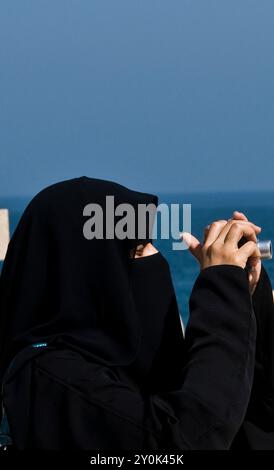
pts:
[160, 355]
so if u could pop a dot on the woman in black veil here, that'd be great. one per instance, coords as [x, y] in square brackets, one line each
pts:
[92, 354]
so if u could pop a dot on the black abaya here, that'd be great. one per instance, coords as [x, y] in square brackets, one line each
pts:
[68, 402]
[257, 430]
[111, 368]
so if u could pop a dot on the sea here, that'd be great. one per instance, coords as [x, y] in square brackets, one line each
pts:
[205, 208]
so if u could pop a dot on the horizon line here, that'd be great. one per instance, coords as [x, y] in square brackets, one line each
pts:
[167, 192]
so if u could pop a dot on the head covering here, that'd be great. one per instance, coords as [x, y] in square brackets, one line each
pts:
[60, 287]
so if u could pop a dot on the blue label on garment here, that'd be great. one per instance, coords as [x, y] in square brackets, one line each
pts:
[39, 345]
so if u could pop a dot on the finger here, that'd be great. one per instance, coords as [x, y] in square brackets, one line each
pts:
[249, 249]
[253, 263]
[241, 223]
[193, 244]
[213, 231]
[253, 282]
[254, 260]
[237, 231]
[239, 216]
[207, 228]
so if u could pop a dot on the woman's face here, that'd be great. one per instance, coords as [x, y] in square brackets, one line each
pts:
[146, 250]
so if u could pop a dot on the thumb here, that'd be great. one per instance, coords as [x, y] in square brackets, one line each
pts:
[193, 244]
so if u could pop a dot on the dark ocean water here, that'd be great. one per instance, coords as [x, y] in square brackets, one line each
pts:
[259, 207]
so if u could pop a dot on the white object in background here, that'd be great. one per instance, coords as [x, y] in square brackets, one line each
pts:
[4, 233]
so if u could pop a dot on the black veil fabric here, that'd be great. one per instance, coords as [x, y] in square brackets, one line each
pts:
[257, 430]
[161, 352]
[59, 287]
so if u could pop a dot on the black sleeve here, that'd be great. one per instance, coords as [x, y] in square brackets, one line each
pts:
[206, 411]
[257, 431]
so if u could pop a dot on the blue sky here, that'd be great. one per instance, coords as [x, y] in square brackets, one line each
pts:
[158, 95]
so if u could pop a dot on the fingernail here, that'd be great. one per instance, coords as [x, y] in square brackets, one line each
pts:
[185, 237]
